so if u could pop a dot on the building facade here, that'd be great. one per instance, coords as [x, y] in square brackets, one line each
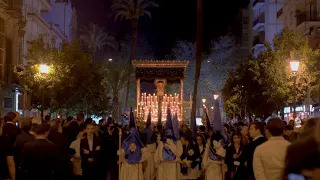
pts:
[12, 26]
[20, 22]
[265, 24]
[302, 16]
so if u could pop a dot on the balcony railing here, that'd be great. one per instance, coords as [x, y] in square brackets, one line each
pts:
[15, 8]
[307, 16]
[260, 19]
[10, 74]
[280, 12]
[257, 1]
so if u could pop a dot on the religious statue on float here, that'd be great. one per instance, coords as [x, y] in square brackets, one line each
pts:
[160, 92]
[160, 87]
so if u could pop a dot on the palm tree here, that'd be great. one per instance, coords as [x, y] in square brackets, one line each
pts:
[115, 73]
[132, 10]
[198, 62]
[95, 38]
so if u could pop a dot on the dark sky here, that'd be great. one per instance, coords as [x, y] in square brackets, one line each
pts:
[173, 20]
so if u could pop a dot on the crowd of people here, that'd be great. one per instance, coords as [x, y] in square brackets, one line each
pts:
[78, 148]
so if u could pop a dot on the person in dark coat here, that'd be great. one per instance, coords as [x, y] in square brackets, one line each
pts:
[74, 127]
[59, 139]
[89, 151]
[190, 159]
[10, 130]
[21, 140]
[109, 155]
[256, 131]
[235, 158]
[40, 156]
[303, 156]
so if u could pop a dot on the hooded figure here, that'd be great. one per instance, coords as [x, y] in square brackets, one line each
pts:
[175, 126]
[208, 121]
[213, 159]
[133, 152]
[168, 153]
[149, 138]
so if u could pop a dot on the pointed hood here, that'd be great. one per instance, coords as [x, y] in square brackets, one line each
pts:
[169, 133]
[194, 127]
[175, 125]
[169, 120]
[148, 136]
[208, 121]
[167, 154]
[217, 121]
[132, 145]
[148, 123]
[132, 123]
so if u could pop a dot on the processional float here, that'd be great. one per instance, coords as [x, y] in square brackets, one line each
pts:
[160, 73]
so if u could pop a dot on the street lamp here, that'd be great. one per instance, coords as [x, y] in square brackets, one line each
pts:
[294, 65]
[44, 69]
[204, 101]
[215, 96]
[110, 59]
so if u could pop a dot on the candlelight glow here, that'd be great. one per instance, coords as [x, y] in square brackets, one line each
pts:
[150, 102]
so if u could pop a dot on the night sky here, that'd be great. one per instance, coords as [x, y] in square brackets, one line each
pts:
[173, 20]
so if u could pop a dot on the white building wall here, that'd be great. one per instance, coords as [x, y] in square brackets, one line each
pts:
[271, 27]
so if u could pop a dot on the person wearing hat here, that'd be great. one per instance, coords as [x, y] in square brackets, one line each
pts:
[149, 138]
[168, 153]
[132, 154]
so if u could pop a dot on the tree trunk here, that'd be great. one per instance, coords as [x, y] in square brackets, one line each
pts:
[115, 102]
[134, 24]
[198, 62]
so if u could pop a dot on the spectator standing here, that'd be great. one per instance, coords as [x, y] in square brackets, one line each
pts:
[10, 130]
[269, 157]
[21, 140]
[61, 141]
[235, 158]
[89, 151]
[256, 131]
[7, 165]
[40, 156]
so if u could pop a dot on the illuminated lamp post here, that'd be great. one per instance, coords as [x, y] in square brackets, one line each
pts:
[44, 69]
[294, 65]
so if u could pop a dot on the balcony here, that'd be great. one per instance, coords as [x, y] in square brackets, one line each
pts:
[15, 8]
[46, 6]
[259, 22]
[315, 38]
[257, 4]
[11, 76]
[307, 16]
[279, 13]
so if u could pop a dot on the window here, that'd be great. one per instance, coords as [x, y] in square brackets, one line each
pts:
[245, 37]
[245, 20]
[2, 41]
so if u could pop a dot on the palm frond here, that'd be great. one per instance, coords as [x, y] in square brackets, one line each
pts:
[95, 37]
[128, 9]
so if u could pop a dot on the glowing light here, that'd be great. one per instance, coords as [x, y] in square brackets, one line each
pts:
[216, 96]
[44, 69]
[204, 101]
[294, 65]
[110, 59]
